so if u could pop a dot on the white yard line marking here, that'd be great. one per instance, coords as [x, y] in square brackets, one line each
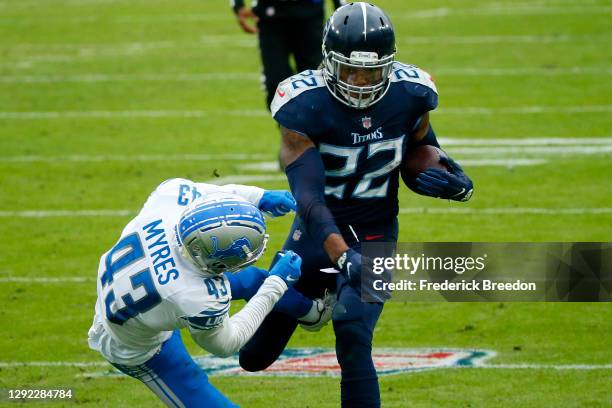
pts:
[247, 178]
[136, 114]
[505, 10]
[531, 150]
[273, 165]
[61, 279]
[66, 213]
[136, 157]
[132, 114]
[501, 39]
[12, 364]
[96, 78]
[521, 71]
[528, 141]
[516, 210]
[77, 364]
[120, 48]
[545, 366]
[252, 76]
[491, 10]
[280, 177]
[461, 145]
[261, 166]
[525, 110]
[502, 162]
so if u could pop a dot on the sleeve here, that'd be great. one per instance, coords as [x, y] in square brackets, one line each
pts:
[429, 139]
[250, 193]
[232, 333]
[306, 177]
[179, 191]
[202, 301]
[425, 90]
[418, 85]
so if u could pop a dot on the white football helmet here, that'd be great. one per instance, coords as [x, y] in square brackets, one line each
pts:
[222, 233]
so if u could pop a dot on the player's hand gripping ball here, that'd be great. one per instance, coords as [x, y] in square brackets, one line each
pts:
[427, 170]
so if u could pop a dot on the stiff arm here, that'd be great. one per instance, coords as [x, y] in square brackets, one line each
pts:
[296, 148]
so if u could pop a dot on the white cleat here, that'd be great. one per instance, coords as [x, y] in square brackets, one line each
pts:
[325, 307]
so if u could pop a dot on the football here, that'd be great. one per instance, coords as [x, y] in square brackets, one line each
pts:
[418, 160]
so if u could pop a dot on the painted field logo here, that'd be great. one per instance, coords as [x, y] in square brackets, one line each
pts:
[322, 362]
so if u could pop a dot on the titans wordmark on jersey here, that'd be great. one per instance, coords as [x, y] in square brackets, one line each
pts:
[361, 148]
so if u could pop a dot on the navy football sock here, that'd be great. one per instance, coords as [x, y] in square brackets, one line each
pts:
[359, 384]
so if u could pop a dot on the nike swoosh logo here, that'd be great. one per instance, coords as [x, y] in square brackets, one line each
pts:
[348, 269]
[372, 237]
[459, 193]
[291, 279]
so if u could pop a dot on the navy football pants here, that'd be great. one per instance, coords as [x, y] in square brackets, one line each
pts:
[353, 320]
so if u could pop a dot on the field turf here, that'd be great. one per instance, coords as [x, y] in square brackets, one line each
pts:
[101, 100]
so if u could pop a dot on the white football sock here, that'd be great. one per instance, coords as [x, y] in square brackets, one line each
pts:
[314, 314]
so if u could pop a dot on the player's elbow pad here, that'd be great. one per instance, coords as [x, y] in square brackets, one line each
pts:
[306, 177]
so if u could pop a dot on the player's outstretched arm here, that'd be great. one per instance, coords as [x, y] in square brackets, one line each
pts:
[273, 202]
[306, 175]
[229, 337]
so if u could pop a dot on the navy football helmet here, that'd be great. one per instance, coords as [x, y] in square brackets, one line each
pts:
[358, 54]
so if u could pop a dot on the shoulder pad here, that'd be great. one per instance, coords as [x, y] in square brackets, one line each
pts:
[293, 86]
[172, 183]
[412, 73]
[166, 192]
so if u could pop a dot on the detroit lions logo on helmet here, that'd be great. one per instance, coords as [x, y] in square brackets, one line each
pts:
[236, 248]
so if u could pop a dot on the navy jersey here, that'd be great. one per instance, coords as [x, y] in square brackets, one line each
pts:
[361, 148]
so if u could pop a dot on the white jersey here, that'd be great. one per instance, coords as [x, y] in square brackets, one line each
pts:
[146, 289]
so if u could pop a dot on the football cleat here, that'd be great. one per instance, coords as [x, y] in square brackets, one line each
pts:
[325, 306]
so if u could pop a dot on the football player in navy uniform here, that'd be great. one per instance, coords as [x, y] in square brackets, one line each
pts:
[345, 130]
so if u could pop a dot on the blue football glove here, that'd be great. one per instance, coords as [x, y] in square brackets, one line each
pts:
[277, 202]
[287, 266]
[453, 185]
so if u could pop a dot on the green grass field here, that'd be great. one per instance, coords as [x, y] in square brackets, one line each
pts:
[101, 100]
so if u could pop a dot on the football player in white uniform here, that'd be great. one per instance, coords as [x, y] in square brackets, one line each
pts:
[171, 269]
